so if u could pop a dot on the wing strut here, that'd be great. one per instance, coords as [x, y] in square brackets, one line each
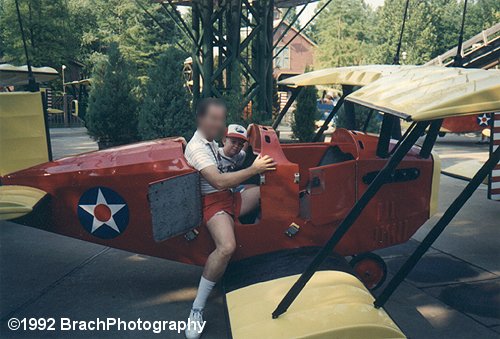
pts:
[382, 177]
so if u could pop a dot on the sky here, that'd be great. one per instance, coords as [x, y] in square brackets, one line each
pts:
[309, 12]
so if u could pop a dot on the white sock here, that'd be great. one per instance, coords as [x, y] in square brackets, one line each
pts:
[204, 290]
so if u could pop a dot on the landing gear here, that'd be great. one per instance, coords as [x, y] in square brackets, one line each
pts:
[370, 269]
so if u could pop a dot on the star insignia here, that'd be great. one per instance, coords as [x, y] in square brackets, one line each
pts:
[483, 120]
[102, 213]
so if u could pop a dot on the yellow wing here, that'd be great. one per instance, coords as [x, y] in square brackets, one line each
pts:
[333, 304]
[17, 201]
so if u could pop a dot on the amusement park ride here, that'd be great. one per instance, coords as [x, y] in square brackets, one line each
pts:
[144, 197]
[326, 200]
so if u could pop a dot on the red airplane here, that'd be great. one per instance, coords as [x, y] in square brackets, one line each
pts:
[144, 197]
[349, 196]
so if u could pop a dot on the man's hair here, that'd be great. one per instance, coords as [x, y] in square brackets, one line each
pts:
[204, 105]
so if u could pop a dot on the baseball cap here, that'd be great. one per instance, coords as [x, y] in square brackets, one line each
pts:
[236, 131]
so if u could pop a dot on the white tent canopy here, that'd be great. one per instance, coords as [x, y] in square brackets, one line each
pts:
[11, 75]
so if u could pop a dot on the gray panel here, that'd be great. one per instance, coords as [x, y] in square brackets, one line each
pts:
[175, 205]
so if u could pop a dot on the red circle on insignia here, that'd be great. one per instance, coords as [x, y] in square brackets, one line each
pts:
[102, 212]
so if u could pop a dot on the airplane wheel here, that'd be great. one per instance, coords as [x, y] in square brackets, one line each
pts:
[370, 268]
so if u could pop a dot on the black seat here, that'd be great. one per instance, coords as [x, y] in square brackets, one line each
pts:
[334, 155]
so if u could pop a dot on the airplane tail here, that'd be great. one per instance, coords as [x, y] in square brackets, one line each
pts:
[23, 134]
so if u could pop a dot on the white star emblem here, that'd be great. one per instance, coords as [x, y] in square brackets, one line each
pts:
[483, 120]
[98, 220]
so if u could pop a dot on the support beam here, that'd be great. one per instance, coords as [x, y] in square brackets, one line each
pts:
[303, 27]
[194, 54]
[384, 139]
[367, 121]
[430, 139]
[349, 108]
[207, 57]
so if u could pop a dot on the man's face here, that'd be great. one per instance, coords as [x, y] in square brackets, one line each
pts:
[233, 146]
[214, 122]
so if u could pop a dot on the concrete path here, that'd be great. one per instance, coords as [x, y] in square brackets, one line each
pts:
[454, 292]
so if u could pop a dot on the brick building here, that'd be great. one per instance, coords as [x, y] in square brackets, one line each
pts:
[296, 56]
[293, 59]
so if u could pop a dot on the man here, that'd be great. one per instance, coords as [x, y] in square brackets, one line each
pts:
[220, 205]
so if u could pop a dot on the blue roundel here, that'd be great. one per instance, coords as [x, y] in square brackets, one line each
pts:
[103, 212]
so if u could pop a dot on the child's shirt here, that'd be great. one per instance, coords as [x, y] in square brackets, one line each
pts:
[230, 164]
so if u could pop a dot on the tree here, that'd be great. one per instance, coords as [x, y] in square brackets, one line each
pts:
[290, 14]
[48, 28]
[126, 23]
[112, 110]
[305, 114]
[343, 34]
[432, 27]
[481, 14]
[234, 97]
[166, 109]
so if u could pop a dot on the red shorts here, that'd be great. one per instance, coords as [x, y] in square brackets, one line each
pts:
[226, 201]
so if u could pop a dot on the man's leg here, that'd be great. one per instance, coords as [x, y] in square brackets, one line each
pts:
[221, 228]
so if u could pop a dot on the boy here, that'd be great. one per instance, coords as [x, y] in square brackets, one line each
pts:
[232, 154]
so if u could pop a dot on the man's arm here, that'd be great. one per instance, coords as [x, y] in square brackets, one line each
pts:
[222, 181]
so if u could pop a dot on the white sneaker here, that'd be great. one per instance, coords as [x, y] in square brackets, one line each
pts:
[195, 324]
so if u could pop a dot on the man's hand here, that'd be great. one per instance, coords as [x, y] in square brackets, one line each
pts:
[263, 163]
[222, 181]
[180, 139]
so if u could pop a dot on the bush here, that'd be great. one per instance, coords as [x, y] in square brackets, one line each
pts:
[112, 110]
[305, 114]
[166, 108]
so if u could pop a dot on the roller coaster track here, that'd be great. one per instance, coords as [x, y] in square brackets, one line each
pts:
[480, 51]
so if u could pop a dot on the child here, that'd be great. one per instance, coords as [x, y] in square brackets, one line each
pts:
[232, 154]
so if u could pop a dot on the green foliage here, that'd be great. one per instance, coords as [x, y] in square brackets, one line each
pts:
[351, 33]
[112, 110]
[420, 38]
[290, 16]
[343, 34]
[482, 14]
[58, 31]
[141, 40]
[305, 114]
[166, 108]
[432, 27]
[234, 98]
[49, 28]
